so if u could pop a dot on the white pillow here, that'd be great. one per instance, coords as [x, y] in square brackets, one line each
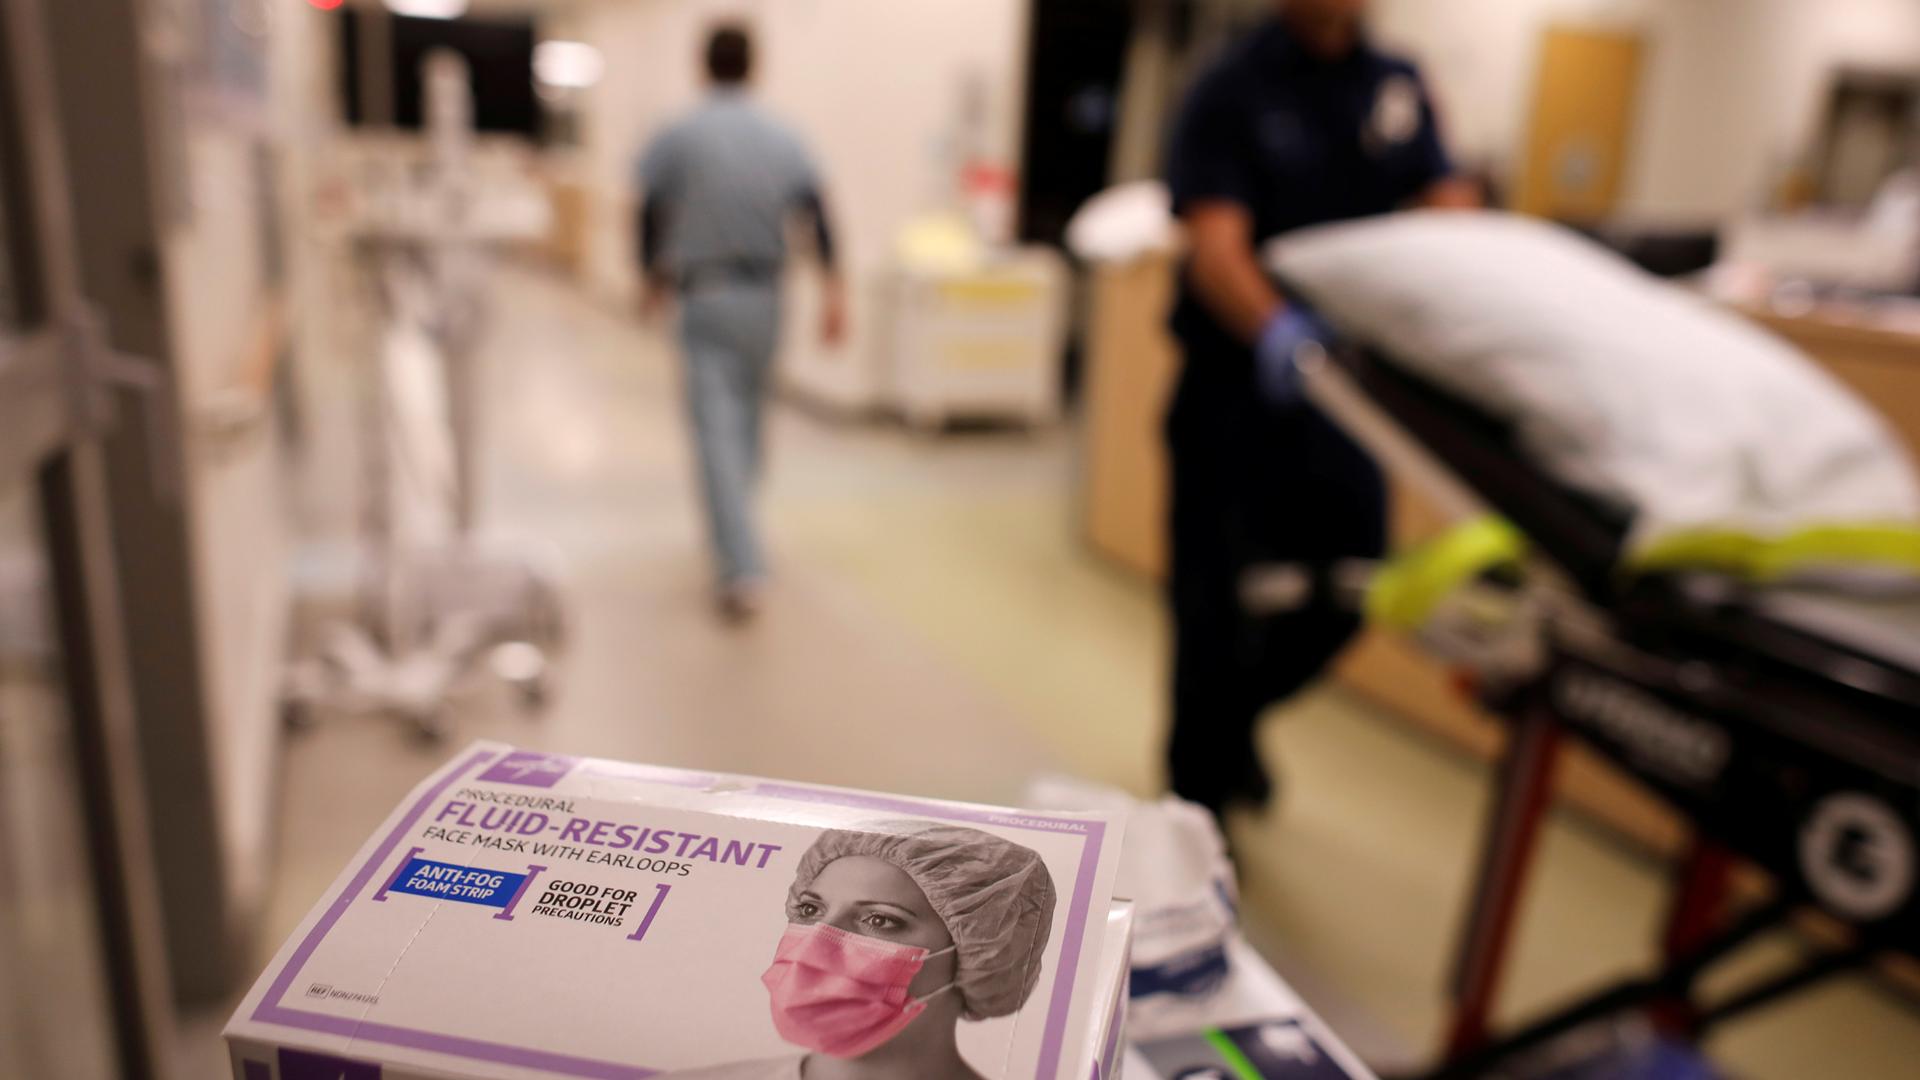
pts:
[1621, 385]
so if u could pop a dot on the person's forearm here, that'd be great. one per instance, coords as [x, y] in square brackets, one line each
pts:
[833, 307]
[1228, 280]
[1452, 193]
[652, 239]
[1224, 271]
[823, 244]
[824, 248]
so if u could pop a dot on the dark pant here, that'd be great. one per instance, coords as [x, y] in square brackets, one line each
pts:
[1252, 485]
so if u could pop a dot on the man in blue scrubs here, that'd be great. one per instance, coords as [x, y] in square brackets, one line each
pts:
[720, 187]
[1303, 122]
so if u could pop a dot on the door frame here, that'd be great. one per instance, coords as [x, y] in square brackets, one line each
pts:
[63, 373]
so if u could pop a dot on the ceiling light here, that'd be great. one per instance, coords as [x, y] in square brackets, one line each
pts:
[570, 65]
[428, 9]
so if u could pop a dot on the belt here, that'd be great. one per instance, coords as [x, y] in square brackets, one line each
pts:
[729, 272]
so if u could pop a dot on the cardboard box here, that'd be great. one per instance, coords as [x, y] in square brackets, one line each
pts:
[1253, 1027]
[526, 915]
[1107, 1042]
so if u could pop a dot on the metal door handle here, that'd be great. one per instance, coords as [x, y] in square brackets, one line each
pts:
[97, 370]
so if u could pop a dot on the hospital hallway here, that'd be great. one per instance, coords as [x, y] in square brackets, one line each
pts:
[936, 625]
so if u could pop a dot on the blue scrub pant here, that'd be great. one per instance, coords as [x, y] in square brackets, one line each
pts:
[728, 331]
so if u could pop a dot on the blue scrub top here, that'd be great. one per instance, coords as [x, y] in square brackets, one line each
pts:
[1298, 140]
[726, 178]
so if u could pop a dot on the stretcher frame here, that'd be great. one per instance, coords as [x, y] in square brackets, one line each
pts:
[1702, 927]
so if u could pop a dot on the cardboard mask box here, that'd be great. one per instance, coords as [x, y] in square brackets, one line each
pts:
[526, 915]
[1252, 1026]
[1107, 1040]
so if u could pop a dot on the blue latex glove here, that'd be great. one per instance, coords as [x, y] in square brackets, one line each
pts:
[1290, 328]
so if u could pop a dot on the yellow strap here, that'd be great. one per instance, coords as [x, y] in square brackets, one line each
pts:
[1887, 546]
[1410, 587]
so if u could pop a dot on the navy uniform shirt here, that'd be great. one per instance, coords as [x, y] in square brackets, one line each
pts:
[1297, 140]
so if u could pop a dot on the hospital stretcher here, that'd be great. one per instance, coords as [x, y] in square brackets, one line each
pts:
[1783, 723]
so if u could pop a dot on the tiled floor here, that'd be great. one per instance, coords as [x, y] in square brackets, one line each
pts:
[936, 628]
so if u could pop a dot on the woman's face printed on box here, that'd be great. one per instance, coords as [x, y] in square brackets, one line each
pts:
[874, 898]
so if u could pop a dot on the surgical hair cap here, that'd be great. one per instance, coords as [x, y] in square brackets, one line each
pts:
[995, 897]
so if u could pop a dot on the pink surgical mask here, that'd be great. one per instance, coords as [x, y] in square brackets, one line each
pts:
[842, 994]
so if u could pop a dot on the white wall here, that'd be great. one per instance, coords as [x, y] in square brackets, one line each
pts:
[871, 84]
[217, 307]
[1732, 88]
[875, 87]
[1736, 90]
[1481, 55]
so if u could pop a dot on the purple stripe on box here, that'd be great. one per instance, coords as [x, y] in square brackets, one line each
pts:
[534, 870]
[340, 904]
[302, 1065]
[1050, 1045]
[646, 921]
[271, 1011]
[476, 1049]
[530, 768]
[945, 811]
[649, 774]
[398, 869]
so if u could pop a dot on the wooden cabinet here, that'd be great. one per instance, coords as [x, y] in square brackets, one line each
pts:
[1131, 365]
[1878, 358]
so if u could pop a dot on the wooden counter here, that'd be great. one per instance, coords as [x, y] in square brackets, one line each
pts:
[1879, 359]
[1131, 365]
